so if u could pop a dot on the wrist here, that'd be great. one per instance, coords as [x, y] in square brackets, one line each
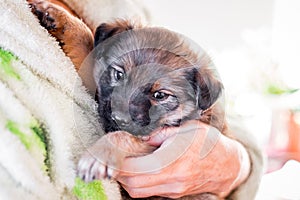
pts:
[245, 166]
[240, 165]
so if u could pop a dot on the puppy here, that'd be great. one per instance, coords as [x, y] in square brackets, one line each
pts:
[147, 78]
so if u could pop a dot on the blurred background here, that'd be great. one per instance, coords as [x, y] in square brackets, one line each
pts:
[256, 47]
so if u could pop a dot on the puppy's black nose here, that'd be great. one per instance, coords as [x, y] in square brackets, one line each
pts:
[120, 118]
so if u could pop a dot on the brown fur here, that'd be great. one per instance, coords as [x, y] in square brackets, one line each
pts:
[64, 6]
[74, 37]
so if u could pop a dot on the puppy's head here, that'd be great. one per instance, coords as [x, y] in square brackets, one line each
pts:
[150, 77]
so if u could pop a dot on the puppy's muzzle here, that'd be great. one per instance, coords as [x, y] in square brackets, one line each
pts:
[121, 119]
[124, 120]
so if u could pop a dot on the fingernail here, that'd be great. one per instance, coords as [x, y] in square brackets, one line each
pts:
[145, 137]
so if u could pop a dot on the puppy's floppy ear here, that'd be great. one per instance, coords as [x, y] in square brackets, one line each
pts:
[206, 84]
[106, 30]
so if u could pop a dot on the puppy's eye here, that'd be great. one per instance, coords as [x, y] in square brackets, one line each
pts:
[159, 96]
[118, 75]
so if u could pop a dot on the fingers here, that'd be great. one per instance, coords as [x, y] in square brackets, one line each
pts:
[139, 165]
[169, 190]
[143, 181]
[171, 150]
[162, 134]
[151, 163]
[158, 190]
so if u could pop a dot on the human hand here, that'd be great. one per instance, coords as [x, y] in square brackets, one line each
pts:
[192, 159]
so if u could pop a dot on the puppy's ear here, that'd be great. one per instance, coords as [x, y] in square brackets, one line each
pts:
[106, 30]
[207, 86]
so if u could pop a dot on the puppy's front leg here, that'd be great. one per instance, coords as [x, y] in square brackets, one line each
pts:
[75, 38]
[106, 156]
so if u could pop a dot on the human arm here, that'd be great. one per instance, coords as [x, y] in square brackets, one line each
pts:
[247, 190]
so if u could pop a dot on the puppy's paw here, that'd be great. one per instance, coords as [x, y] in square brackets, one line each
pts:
[48, 14]
[100, 161]
[104, 159]
[74, 37]
[91, 167]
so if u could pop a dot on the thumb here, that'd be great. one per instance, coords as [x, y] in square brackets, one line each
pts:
[160, 135]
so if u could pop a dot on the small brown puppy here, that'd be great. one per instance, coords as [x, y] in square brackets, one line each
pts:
[147, 78]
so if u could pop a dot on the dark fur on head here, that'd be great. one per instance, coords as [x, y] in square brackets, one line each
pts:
[151, 77]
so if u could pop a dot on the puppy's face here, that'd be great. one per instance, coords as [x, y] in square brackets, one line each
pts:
[150, 77]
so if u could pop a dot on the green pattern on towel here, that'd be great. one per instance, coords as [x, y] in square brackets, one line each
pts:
[5, 63]
[89, 191]
[41, 133]
[31, 140]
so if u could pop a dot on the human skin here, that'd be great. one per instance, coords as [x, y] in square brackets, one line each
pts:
[192, 159]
